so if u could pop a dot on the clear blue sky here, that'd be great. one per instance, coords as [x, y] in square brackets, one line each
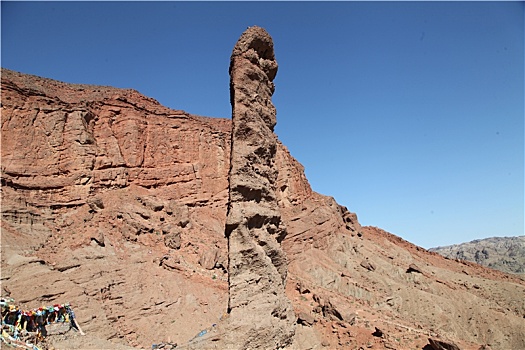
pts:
[411, 114]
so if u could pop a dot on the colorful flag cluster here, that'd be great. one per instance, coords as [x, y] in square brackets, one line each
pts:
[23, 328]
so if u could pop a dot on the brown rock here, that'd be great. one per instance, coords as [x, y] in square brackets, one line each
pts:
[172, 240]
[75, 161]
[305, 319]
[179, 212]
[301, 288]
[368, 265]
[92, 139]
[209, 258]
[58, 328]
[414, 268]
[319, 300]
[437, 344]
[96, 204]
[350, 220]
[338, 310]
[99, 239]
[261, 316]
[170, 262]
[151, 203]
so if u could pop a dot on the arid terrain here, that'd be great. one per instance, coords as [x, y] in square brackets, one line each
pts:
[118, 205]
[506, 254]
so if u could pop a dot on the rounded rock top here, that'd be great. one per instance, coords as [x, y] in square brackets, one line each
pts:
[256, 38]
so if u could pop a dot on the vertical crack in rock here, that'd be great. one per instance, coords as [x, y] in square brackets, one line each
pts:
[261, 316]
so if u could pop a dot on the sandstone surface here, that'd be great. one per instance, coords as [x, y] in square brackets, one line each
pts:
[118, 205]
[257, 263]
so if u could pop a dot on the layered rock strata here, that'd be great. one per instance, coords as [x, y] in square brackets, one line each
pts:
[257, 262]
[114, 199]
[118, 205]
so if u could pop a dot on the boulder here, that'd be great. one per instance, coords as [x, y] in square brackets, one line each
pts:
[438, 344]
[209, 258]
[172, 240]
[305, 319]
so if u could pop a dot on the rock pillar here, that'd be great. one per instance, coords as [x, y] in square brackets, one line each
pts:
[261, 316]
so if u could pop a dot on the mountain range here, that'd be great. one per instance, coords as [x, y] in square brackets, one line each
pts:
[501, 253]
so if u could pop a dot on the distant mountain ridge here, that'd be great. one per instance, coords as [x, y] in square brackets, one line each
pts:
[506, 254]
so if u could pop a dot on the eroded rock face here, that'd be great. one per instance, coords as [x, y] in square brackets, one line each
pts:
[108, 191]
[125, 226]
[261, 316]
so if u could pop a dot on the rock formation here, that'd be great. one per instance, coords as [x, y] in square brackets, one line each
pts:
[437, 344]
[506, 254]
[110, 191]
[261, 316]
[118, 205]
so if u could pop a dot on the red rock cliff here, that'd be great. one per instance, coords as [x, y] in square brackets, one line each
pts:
[118, 205]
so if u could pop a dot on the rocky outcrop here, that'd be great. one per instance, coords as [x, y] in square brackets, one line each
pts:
[438, 344]
[261, 316]
[118, 205]
[501, 253]
[64, 145]
[111, 191]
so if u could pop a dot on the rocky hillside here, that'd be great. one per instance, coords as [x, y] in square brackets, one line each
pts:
[121, 207]
[506, 254]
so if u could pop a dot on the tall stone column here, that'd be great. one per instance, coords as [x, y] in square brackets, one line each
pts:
[261, 316]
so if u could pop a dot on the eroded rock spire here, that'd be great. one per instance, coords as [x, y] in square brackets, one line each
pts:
[261, 316]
